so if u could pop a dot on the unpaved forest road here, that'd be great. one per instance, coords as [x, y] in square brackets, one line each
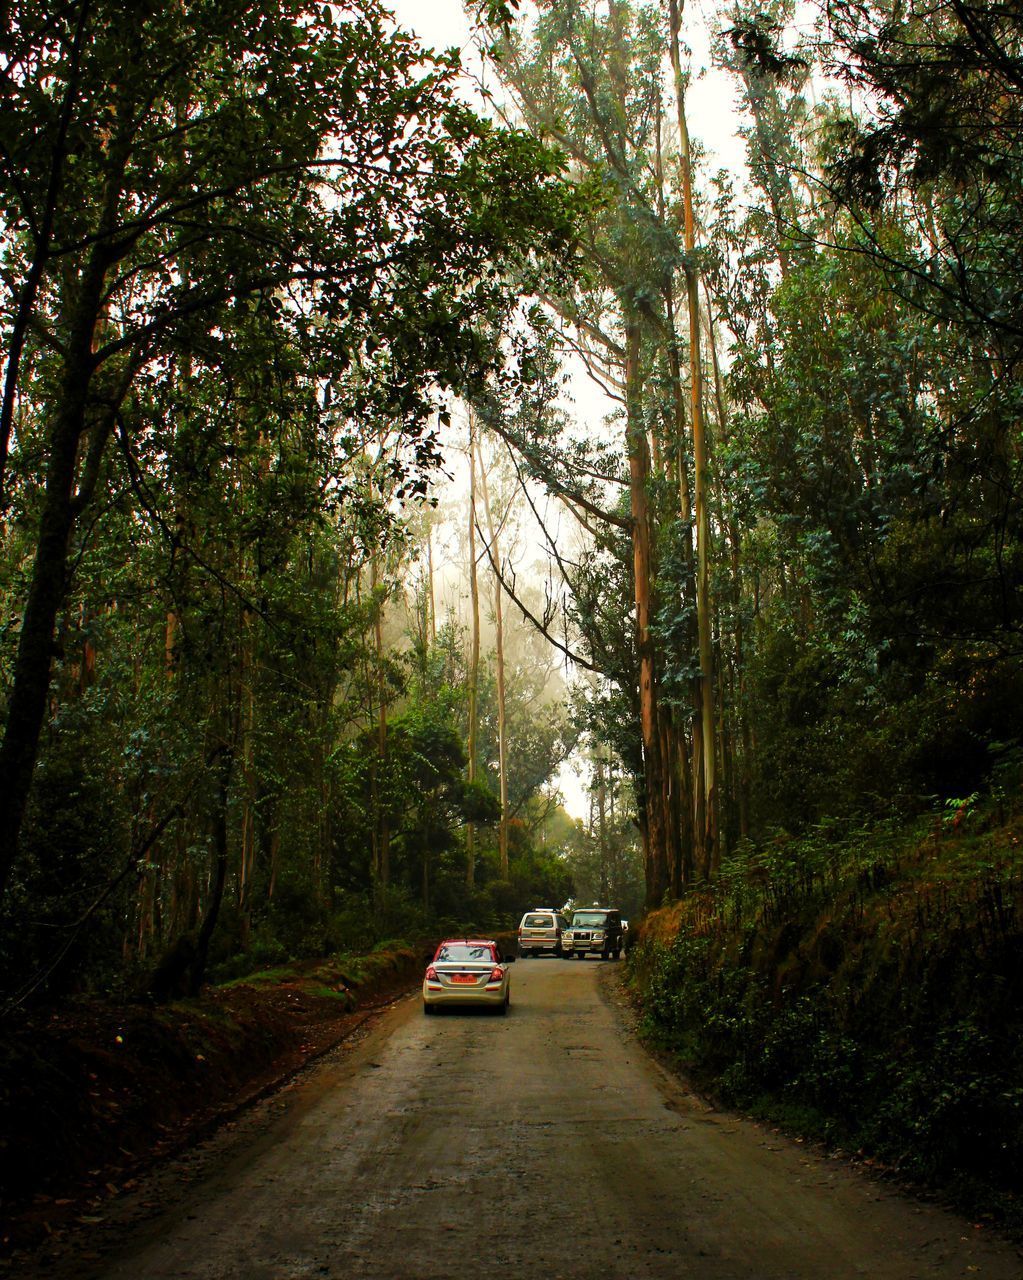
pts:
[545, 1144]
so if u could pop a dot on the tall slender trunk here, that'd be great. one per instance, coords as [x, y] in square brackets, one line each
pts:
[690, 763]
[275, 854]
[61, 506]
[247, 845]
[48, 585]
[700, 461]
[744, 748]
[605, 870]
[225, 766]
[383, 826]
[474, 658]
[642, 563]
[374, 783]
[325, 826]
[502, 745]
[677, 792]
[431, 598]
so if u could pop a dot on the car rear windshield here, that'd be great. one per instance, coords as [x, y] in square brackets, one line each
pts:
[465, 953]
[537, 922]
[589, 919]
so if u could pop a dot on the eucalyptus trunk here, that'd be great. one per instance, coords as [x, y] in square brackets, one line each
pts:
[689, 762]
[655, 827]
[700, 467]
[383, 867]
[502, 745]
[743, 747]
[605, 853]
[474, 658]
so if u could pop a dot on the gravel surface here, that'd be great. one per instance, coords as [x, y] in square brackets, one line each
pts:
[546, 1143]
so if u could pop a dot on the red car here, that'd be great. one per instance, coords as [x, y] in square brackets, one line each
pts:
[467, 971]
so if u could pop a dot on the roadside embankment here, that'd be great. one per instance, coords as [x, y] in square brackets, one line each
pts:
[92, 1092]
[867, 992]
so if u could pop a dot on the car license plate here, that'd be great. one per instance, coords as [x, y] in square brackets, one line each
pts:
[463, 977]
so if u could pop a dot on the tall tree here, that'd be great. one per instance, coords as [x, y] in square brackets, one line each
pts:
[494, 552]
[708, 736]
[592, 78]
[138, 230]
[474, 652]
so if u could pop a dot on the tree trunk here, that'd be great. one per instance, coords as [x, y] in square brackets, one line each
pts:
[431, 598]
[502, 746]
[32, 665]
[743, 751]
[690, 763]
[605, 877]
[225, 766]
[700, 460]
[474, 659]
[247, 850]
[383, 823]
[639, 475]
[61, 505]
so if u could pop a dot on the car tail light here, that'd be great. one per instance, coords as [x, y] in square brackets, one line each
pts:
[496, 975]
[431, 974]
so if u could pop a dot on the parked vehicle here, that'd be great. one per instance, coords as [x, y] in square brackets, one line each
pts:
[467, 971]
[541, 930]
[595, 930]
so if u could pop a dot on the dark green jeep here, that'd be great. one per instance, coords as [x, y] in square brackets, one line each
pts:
[596, 930]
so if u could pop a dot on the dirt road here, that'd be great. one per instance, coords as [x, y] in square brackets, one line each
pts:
[543, 1144]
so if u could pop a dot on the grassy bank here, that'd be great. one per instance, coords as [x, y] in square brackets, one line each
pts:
[865, 990]
[92, 1091]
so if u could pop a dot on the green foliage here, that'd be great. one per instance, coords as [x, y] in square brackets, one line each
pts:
[863, 987]
[877, 656]
[863, 313]
[275, 333]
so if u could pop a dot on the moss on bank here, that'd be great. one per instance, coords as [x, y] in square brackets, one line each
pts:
[866, 991]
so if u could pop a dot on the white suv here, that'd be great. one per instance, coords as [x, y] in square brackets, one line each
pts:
[540, 930]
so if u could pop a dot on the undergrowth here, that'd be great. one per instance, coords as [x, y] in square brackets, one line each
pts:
[863, 987]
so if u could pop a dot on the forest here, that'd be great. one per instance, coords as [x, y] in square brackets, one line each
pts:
[252, 254]
[384, 430]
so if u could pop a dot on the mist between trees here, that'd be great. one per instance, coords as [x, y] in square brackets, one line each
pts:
[254, 255]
